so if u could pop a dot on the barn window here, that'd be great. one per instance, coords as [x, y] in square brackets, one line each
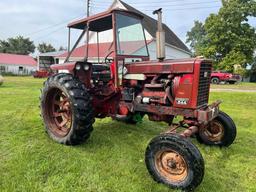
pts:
[20, 68]
[2, 69]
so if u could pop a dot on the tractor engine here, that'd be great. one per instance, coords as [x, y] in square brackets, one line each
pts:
[182, 85]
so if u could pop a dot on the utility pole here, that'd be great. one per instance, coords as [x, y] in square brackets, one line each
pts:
[88, 8]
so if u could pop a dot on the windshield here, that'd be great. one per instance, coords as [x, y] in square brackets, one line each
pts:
[130, 36]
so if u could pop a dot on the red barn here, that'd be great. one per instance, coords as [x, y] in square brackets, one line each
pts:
[17, 64]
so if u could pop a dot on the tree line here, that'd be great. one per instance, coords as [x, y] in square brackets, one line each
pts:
[24, 46]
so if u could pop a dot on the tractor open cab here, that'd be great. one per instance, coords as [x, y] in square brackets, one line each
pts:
[125, 85]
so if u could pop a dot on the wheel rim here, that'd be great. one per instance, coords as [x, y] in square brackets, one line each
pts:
[172, 166]
[214, 131]
[215, 81]
[59, 112]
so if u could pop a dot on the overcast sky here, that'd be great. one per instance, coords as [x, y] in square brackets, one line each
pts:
[46, 20]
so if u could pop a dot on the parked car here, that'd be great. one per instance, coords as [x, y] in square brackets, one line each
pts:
[1, 80]
[218, 76]
[42, 74]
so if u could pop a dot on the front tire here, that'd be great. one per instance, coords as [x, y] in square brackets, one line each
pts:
[174, 161]
[66, 109]
[221, 131]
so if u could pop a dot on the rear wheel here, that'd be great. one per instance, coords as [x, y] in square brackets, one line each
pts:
[221, 131]
[215, 80]
[174, 161]
[66, 109]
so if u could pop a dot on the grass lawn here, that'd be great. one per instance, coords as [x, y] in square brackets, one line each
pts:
[241, 86]
[113, 158]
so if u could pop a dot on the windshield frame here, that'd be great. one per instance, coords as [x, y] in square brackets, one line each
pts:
[116, 38]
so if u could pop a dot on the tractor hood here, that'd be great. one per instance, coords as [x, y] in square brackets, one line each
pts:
[165, 67]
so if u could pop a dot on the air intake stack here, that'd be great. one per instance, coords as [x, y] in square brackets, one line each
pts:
[160, 36]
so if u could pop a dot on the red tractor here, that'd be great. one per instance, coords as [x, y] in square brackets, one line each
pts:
[125, 85]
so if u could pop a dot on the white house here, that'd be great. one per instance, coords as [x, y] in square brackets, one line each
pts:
[17, 64]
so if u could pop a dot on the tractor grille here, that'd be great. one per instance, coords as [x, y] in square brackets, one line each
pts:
[204, 83]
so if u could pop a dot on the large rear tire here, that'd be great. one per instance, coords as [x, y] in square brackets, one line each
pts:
[174, 161]
[66, 109]
[221, 131]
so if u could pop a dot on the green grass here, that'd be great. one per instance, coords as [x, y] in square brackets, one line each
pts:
[113, 158]
[241, 85]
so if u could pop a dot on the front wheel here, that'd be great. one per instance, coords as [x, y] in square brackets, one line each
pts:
[174, 161]
[221, 131]
[66, 109]
[215, 80]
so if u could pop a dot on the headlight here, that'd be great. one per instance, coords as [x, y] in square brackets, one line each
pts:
[78, 67]
[86, 67]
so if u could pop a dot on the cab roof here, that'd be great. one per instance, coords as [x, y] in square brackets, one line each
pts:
[101, 21]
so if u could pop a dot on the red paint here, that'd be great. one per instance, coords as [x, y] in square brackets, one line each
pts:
[225, 76]
[171, 88]
[42, 74]
[13, 59]
[65, 66]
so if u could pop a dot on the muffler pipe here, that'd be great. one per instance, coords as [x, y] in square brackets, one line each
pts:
[160, 36]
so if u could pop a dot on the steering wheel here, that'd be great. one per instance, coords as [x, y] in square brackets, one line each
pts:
[106, 58]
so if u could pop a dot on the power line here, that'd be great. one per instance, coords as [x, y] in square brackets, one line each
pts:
[168, 6]
[106, 2]
[189, 8]
[179, 9]
[41, 37]
[165, 3]
[52, 26]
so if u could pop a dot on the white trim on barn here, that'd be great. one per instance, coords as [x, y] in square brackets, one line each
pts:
[16, 69]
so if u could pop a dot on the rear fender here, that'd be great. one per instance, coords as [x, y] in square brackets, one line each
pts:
[82, 73]
[65, 67]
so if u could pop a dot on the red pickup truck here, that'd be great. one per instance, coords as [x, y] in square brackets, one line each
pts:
[218, 76]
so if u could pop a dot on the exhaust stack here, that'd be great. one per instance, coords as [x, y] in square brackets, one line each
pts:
[160, 36]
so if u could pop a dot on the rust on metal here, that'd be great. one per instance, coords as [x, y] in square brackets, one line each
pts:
[214, 131]
[171, 165]
[190, 131]
[59, 112]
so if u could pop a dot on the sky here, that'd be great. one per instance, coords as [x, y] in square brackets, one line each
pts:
[46, 20]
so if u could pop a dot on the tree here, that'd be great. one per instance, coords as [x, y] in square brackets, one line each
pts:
[62, 48]
[44, 48]
[197, 38]
[229, 38]
[17, 45]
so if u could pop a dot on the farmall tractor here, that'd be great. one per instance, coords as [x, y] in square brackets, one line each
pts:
[126, 86]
